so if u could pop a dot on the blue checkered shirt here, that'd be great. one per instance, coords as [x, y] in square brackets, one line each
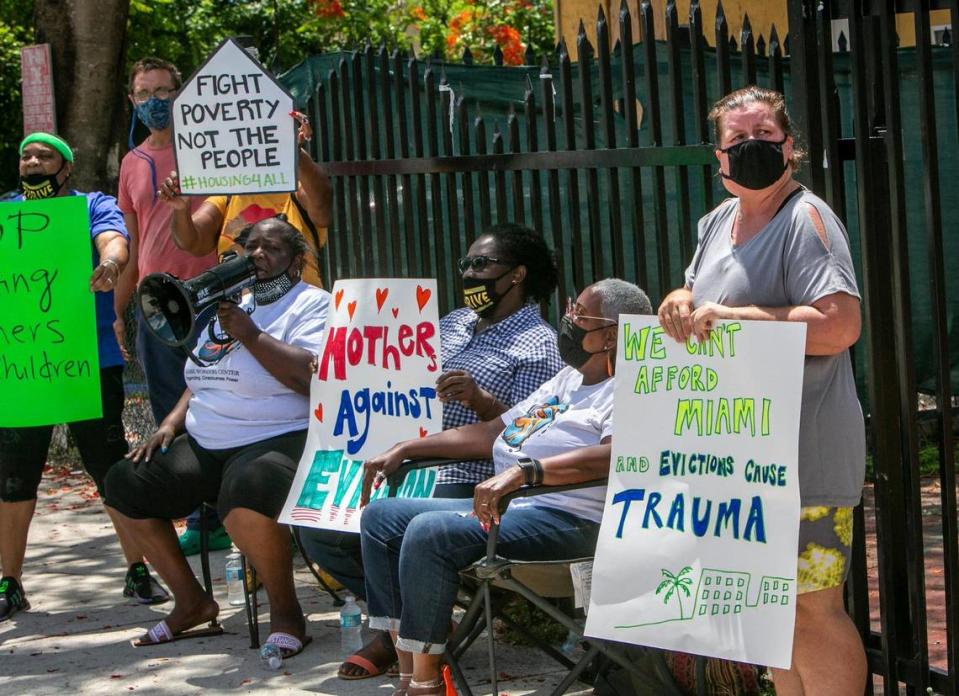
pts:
[510, 360]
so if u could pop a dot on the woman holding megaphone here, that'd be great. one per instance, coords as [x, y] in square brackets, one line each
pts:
[235, 438]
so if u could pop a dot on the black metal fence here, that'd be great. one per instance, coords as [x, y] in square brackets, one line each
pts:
[609, 158]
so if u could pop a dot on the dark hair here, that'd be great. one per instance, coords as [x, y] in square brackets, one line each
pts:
[153, 63]
[289, 235]
[771, 98]
[523, 246]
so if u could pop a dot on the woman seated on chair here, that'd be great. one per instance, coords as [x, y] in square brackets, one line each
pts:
[495, 352]
[413, 550]
[235, 437]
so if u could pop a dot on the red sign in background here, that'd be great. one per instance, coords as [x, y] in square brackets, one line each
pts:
[39, 109]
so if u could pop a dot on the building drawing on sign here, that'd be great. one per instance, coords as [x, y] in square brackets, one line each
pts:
[721, 593]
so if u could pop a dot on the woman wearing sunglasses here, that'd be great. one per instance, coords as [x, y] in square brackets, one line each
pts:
[495, 352]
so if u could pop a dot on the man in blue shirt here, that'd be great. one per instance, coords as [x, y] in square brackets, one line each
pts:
[46, 162]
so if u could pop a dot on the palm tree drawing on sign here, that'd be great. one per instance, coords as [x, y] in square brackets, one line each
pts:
[676, 584]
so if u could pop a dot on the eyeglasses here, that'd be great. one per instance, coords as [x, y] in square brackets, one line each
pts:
[572, 314]
[159, 93]
[477, 263]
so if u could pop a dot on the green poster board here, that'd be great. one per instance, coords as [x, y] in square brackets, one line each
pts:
[49, 369]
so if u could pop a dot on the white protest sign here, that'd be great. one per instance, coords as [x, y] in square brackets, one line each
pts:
[375, 386]
[698, 547]
[232, 130]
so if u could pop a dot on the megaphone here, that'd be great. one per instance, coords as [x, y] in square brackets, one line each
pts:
[170, 306]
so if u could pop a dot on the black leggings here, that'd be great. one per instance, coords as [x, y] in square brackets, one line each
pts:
[101, 441]
[174, 484]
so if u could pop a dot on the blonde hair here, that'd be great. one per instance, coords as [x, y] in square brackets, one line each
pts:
[771, 98]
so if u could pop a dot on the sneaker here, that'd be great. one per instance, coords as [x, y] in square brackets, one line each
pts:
[12, 598]
[141, 586]
[190, 541]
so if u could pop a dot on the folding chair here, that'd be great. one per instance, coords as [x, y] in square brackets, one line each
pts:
[493, 570]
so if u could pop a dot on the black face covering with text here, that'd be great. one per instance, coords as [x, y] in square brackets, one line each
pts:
[479, 294]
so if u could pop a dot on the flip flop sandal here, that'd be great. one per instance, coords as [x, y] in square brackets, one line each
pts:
[288, 644]
[161, 633]
[372, 669]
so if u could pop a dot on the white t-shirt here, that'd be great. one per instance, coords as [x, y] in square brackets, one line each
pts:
[236, 401]
[560, 416]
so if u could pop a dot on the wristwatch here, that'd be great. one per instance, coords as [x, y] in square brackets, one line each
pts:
[532, 470]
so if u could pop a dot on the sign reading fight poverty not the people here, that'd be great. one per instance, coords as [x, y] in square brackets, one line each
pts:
[232, 130]
[698, 547]
[49, 369]
[374, 386]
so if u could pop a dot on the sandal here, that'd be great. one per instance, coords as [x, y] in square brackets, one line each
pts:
[375, 658]
[404, 685]
[161, 633]
[288, 644]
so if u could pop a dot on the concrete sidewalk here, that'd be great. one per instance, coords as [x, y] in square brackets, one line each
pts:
[77, 636]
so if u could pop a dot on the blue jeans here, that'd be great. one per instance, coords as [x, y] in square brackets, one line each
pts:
[413, 551]
[338, 553]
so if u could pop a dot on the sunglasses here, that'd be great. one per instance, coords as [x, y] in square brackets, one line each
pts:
[477, 263]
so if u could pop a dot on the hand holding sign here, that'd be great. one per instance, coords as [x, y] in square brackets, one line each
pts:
[169, 193]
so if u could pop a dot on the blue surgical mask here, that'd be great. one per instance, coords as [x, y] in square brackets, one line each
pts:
[154, 113]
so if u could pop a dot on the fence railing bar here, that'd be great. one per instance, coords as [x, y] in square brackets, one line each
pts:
[939, 306]
[678, 108]
[607, 114]
[499, 179]
[424, 257]
[437, 233]
[748, 51]
[585, 63]
[392, 182]
[632, 140]
[360, 153]
[651, 68]
[547, 90]
[398, 59]
[516, 175]
[829, 115]
[697, 41]
[479, 129]
[341, 251]
[357, 241]
[448, 107]
[321, 153]
[902, 313]
[775, 61]
[378, 204]
[574, 252]
[532, 145]
[724, 80]
[466, 178]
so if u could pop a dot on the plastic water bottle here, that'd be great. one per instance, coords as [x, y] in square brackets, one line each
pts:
[570, 644]
[351, 625]
[270, 657]
[233, 572]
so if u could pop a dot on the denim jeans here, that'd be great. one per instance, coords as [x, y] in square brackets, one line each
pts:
[338, 553]
[413, 551]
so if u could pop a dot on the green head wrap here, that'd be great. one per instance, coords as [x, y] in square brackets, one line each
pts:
[56, 142]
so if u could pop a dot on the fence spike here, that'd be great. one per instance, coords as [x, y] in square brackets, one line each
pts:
[467, 56]
[761, 46]
[773, 40]
[562, 50]
[498, 55]
[582, 43]
[843, 42]
[623, 9]
[529, 57]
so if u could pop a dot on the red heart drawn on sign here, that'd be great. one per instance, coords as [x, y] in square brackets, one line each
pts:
[396, 312]
[422, 432]
[381, 294]
[336, 299]
[351, 307]
[319, 413]
[422, 296]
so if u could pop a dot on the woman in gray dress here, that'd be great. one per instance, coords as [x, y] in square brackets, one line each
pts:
[776, 252]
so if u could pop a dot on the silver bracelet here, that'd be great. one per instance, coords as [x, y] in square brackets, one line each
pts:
[108, 260]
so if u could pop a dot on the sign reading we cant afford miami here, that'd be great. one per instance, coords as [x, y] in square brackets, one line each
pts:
[698, 547]
[49, 368]
[374, 386]
[232, 130]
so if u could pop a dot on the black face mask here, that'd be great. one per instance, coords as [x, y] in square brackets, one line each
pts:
[479, 294]
[755, 164]
[38, 186]
[569, 342]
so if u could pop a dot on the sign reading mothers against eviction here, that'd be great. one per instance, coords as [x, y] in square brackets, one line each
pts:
[232, 131]
[374, 386]
[697, 549]
[49, 370]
